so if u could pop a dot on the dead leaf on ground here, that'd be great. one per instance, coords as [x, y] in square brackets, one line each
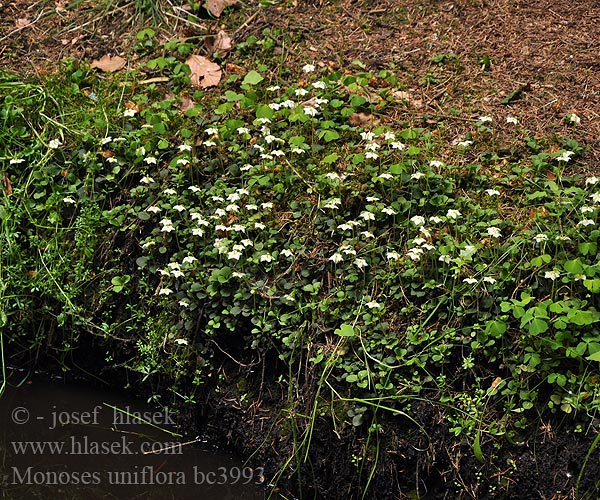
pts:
[22, 22]
[185, 104]
[108, 63]
[204, 73]
[221, 43]
[216, 7]
[363, 120]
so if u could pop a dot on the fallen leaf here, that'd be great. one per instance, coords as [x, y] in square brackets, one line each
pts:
[363, 120]
[215, 7]
[108, 63]
[221, 43]
[22, 22]
[186, 104]
[204, 73]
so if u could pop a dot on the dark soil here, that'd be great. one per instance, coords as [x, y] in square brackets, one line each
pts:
[547, 49]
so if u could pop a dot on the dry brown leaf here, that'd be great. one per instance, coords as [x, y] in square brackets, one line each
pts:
[108, 63]
[186, 104]
[363, 120]
[22, 22]
[204, 73]
[221, 43]
[215, 7]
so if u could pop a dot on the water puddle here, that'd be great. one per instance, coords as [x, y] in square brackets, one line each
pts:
[72, 442]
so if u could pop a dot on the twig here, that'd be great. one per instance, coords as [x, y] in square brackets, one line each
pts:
[250, 19]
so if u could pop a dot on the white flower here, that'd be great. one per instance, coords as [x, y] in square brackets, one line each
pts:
[371, 155]
[246, 243]
[105, 140]
[319, 85]
[181, 341]
[194, 189]
[190, 259]
[372, 146]
[512, 119]
[129, 112]
[54, 143]
[590, 181]
[492, 192]
[485, 119]
[417, 175]
[165, 291]
[372, 199]
[419, 241]
[184, 147]
[274, 106]
[150, 160]
[266, 258]
[234, 255]
[179, 208]
[251, 206]
[389, 211]
[273, 88]
[397, 145]
[435, 219]
[176, 273]
[470, 281]
[373, 304]
[266, 204]
[418, 220]
[182, 161]
[436, 163]
[219, 212]
[367, 234]
[389, 136]
[112, 159]
[243, 130]
[298, 151]
[587, 210]
[415, 253]
[232, 207]
[367, 215]
[345, 227]
[595, 197]
[385, 175]
[300, 92]
[308, 68]
[310, 111]
[367, 136]
[540, 237]
[259, 225]
[287, 253]
[153, 209]
[16, 161]
[336, 257]
[209, 144]
[565, 156]
[237, 274]
[68, 199]
[425, 232]
[277, 152]
[184, 303]
[146, 180]
[141, 151]
[197, 232]
[169, 191]
[347, 250]
[454, 214]
[573, 118]
[552, 275]
[392, 255]
[288, 104]
[563, 238]
[489, 279]
[212, 131]
[586, 222]
[494, 232]
[446, 259]
[262, 121]
[464, 144]
[360, 263]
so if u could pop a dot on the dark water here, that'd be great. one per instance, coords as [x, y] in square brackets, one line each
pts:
[69, 441]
